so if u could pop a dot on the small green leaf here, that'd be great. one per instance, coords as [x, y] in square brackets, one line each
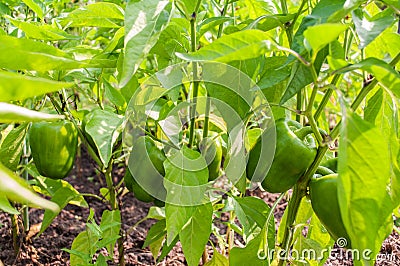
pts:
[82, 249]
[217, 260]
[10, 113]
[42, 32]
[6, 206]
[12, 146]
[318, 36]
[237, 46]
[195, 233]
[104, 128]
[156, 231]
[110, 226]
[35, 7]
[95, 15]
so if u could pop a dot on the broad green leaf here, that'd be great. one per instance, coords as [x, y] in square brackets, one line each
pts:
[318, 36]
[211, 23]
[6, 206]
[186, 176]
[252, 213]
[237, 46]
[301, 76]
[16, 189]
[82, 248]
[176, 218]
[110, 226]
[269, 22]
[42, 32]
[144, 21]
[104, 128]
[368, 29]
[382, 71]
[114, 95]
[61, 197]
[251, 254]
[274, 72]
[102, 14]
[35, 7]
[156, 231]
[364, 201]
[34, 55]
[217, 260]
[167, 248]
[388, 43]
[252, 9]
[14, 86]
[382, 111]
[320, 236]
[12, 146]
[336, 58]
[195, 233]
[10, 113]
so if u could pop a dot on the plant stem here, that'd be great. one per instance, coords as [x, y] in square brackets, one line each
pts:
[288, 30]
[195, 80]
[25, 162]
[15, 232]
[326, 97]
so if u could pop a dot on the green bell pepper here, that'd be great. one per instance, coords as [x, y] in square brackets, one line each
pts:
[324, 201]
[53, 146]
[294, 152]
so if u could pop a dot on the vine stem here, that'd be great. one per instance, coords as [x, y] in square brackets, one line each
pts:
[301, 186]
[195, 80]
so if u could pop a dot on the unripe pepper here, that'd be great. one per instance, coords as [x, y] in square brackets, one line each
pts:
[324, 201]
[294, 152]
[211, 149]
[145, 171]
[53, 146]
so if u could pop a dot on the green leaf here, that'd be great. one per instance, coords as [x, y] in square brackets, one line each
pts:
[95, 15]
[269, 22]
[187, 6]
[186, 176]
[16, 189]
[348, 6]
[83, 247]
[10, 113]
[34, 55]
[156, 231]
[104, 128]
[368, 29]
[318, 36]
[382, 71]
[388, 43]
[62, 196]
[364, 201]
[6, 206]
[251, 254]
[32, 4]
[301, 76]
[217, 260]
[114, 95]
[12, 146]
[110, 226]
[195, 234]
[14, 86]
[237, 46]
[251, 212]
[144, 21]
[42, 32]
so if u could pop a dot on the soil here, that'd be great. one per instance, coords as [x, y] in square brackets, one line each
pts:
[46, 249]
